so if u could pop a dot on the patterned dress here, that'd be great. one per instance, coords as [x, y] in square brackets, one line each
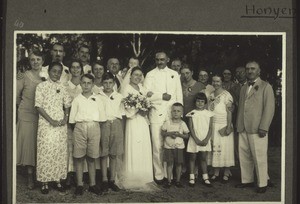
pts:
[223, 146]
[52, 146]
[27, 122]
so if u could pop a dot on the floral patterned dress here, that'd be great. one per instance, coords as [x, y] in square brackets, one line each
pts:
[52, 148]
[223, 148]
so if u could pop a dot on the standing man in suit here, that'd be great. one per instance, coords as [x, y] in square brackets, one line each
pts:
[240, 75]
[113, 66]
[164, 88]
[255, 113]
[57, 55]
[84, 57]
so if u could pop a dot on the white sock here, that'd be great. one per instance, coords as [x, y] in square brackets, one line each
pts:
[205, 176]
[192, 179]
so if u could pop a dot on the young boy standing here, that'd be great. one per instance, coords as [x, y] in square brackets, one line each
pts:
[86, 112]
[112, 137]
[174, 131]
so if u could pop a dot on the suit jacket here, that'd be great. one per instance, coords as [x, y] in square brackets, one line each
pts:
[159, 82]
[256, 109]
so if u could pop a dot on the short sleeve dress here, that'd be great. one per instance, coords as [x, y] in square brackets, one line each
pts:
[201, 121]
[27, 122]
[223, 146]
[52, 148]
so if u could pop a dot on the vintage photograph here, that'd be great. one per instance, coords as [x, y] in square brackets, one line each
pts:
[137, 117]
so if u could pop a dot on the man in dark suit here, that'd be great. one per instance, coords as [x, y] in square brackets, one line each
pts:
[240, 75]
[255, 113]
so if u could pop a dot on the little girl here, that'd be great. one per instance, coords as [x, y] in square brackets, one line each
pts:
[200, 124]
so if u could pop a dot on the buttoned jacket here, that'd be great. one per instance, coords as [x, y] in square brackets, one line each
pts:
[256, 108]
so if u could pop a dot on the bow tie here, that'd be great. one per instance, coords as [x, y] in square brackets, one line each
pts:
[251, 83]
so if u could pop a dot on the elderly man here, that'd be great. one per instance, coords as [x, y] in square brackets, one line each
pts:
[255, 114]
[113, 66]
[57, 53]
[203, 78]
[165, 89]
[176, 65]
[227, 80]
[84, 57]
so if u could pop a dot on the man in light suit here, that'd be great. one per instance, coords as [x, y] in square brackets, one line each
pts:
[255, 113]
[164, 89]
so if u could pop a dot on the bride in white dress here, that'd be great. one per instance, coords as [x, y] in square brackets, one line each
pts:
[138, 169]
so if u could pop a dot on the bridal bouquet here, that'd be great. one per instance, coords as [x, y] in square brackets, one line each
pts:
[139, 102]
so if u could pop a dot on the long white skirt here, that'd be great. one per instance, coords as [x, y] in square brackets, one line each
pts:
[138, 168]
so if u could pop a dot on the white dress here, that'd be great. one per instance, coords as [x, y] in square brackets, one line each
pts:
[223, 146]
[201, 120]
[138, 170]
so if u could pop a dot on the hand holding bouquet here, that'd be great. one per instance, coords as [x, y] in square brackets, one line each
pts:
[139, 102]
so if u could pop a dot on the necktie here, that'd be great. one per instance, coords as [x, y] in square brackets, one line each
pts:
[117, 81]
[251, 83]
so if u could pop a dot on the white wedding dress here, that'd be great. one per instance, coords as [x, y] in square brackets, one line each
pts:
[138, 168]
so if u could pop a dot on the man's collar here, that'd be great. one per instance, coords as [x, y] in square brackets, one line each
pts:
[163, 69]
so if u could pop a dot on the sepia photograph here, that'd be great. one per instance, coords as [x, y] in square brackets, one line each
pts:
[149, 116]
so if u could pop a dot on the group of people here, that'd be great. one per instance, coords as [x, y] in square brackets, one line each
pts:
[73, 119]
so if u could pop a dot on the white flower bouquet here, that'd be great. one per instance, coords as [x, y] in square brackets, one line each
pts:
[139, 102]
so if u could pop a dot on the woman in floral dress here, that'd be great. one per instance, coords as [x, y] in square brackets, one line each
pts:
[27, 122]
[220, 103]
[53, 103]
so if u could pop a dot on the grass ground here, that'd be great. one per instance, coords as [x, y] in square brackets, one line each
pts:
[219, 193]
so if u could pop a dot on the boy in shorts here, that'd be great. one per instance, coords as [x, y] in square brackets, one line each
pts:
[87, 111]
[112, 137]
[174, 131]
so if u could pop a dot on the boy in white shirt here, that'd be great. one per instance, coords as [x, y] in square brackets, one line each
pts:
[112, 136]
[174, 131]
[86, 112]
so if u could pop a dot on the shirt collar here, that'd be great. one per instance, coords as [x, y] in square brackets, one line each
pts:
[104, 94]
[73, 86]
[162, 70]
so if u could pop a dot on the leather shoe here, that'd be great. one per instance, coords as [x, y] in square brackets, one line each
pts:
[95, 189]
[244, 185]
[261, 189]
[113, 186]
[79, 190]
[104, 186]
[160, 182]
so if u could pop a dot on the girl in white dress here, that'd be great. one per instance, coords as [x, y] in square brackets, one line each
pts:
[138, 170]
[200, 122]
